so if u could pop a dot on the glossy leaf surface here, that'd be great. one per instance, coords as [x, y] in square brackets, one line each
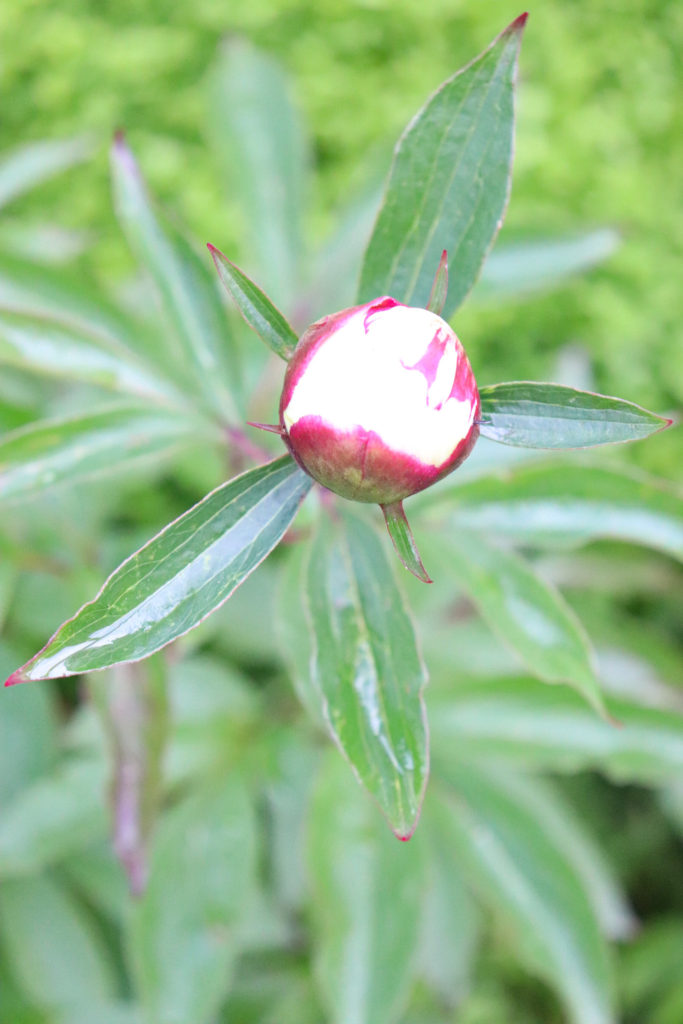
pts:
[521, 870]
[403, 540]
[449, 182]
[553, 416]
[367, 668]
[540, 726]
[180, 576]
[526, 612]
[366, 904]
[256, 308]
[182, 932]
[568, 505]
[261, 142]
[185, 287]
[71, 450]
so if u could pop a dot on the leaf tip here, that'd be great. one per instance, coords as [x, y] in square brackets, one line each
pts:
[16, 677]
[518, 24]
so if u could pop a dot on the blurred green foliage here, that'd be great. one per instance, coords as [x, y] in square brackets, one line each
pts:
[600, 141]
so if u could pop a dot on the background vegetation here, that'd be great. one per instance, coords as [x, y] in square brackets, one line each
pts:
[599, 144]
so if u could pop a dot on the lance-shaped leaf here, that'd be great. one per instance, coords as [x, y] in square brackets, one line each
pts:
[527, 613]
[52, 452]
[256, 308]
[367, 668]
[65, 962]
[516, 269]
[29, 165]
[554, 416]
[551, 728]
[265, 160]
[524, 873]
[182, 933]
[68, 352]
[367, 896]
[185, 287]
[551, 505]
[179, 577]
[449, 182]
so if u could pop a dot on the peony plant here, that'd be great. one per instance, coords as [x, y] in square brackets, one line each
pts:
[378, 403]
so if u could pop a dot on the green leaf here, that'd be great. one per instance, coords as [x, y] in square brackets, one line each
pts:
[265, 160]
[52, 817]
[63, 962]
[545, 727]
[365, 906]
[526, 612]
[185, 288]
[367, 668]
[450, 929]
[294, 632]
[520, 268]
[180, 576]
[403, 540]
[554, 416]
[521, 870]
[69, 352]
[449, 182]
[255, 307]
[569, 505]
[52, 452]
[28, 734]
[544, 802]
[31, 164]
[182, 932]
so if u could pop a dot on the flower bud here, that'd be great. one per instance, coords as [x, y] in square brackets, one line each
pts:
[379, 401]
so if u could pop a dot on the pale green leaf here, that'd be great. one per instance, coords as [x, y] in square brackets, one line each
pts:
[365, 906]
[181, 937]
[36, 162]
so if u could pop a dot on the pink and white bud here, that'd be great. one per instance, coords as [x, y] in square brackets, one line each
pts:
[379, 401]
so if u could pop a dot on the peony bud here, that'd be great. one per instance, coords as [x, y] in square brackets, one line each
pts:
[379, 401]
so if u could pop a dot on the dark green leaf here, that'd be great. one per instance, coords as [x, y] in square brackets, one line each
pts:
[63, 962]
[521, 268]
[31, 164]
[548, 727]
[68, 451]
[185, 287]
[564, 504]
[403, 540]
[449, 182]
[256, 308]
[180, 576]
[527, 613]
[553, 416]
[366, 904]
[367, 668]
[260, 138]
[182, 931]
[525, 875]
